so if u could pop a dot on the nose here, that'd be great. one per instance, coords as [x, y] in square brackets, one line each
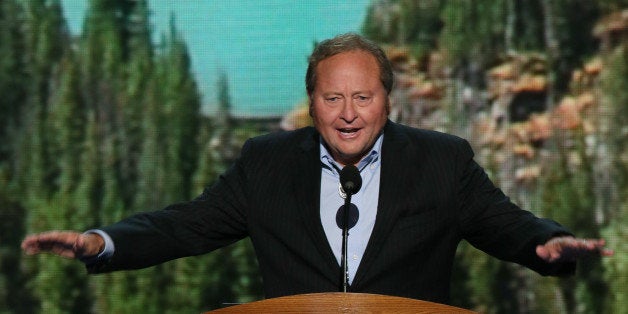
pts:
[348, 112]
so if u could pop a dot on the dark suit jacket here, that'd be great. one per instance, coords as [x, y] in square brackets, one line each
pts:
[432, 195]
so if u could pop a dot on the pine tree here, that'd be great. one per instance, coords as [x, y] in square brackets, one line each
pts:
[45, 38]
[13, 79]
[137, 75]
[175, 111]
[46, 43]
[117, 62]
[14, 294]
[181, 106]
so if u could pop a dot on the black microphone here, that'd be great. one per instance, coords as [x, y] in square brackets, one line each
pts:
[351, 182]
[350, 179]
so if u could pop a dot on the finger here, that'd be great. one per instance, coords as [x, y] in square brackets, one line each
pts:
[572, 249]
[599, 246]
[547, 253]
[61, 250]
[56, 242]
[57, 236]
[30, 245]
[594, 245]
[542, 252]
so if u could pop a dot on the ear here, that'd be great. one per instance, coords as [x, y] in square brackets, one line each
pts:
[311, 105]
[387, 105]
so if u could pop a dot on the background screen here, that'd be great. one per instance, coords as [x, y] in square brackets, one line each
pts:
[113, 107]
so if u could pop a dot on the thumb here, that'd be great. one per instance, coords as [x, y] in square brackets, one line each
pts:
[88, 244]
[543, 253]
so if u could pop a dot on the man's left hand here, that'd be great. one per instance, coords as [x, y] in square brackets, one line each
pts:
[567, 249]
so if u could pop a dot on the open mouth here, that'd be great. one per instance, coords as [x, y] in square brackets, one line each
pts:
[348, 132]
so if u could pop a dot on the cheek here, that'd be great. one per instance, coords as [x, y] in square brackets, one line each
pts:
[322, 116]
[376, 116]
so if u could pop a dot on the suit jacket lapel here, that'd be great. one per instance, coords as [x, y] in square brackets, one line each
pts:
[393, 167]
[307, 186]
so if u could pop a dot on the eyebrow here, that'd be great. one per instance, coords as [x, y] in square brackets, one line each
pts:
[352, 94]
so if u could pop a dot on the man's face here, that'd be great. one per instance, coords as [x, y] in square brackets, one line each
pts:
[349, 104]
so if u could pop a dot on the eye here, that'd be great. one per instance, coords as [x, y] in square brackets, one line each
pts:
[332, 99]
[362, 98]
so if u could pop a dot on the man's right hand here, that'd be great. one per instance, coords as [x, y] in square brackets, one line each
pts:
[68, 244]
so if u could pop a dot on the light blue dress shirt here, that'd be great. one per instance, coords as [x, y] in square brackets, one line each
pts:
[365, 199]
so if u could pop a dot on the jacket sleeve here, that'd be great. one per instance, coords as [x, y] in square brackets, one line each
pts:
[495, 225]
[214, 219]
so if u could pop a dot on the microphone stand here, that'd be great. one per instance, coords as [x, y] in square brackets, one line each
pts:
[345, 240]
[350, 183]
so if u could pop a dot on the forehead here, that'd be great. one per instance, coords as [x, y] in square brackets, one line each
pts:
[355, 63]
[352, 57]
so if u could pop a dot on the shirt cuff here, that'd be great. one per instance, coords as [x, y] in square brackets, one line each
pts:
[106, 253]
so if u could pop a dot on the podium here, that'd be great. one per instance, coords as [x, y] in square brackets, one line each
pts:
[340, 302]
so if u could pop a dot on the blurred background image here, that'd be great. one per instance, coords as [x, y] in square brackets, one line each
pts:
[111, 107]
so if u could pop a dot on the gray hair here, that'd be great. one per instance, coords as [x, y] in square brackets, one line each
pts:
[344, 43]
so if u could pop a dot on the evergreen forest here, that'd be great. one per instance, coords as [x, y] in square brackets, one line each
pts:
[100, 125]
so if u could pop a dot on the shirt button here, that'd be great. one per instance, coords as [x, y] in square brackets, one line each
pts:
[355, 257]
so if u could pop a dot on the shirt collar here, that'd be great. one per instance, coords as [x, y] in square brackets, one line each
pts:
[373, 156]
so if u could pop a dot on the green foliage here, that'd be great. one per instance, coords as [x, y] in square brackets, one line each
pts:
[209, 163]
[182, 107]
[237, 282]
[60, 284]
[405, 22]
[616, 268]
[13, 78]
[92, 147]
[615, 87]
[568, 197]
[473, 31]
[67, 125]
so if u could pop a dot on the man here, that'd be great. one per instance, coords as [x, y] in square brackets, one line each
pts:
[422, 194]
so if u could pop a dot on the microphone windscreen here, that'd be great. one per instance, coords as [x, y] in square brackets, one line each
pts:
[350, 179]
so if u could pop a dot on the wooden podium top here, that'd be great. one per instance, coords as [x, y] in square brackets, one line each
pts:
[339, 302]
